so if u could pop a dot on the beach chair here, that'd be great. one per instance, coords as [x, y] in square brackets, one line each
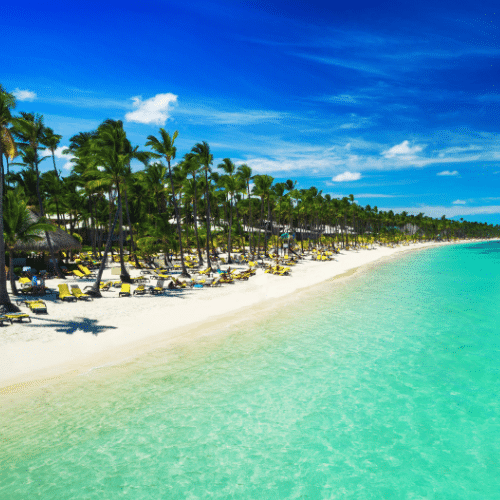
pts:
[105, 286]
[17, 317]
[158, 288]
[24, 282]
[125, 290]
[64, 293]
[215, 282]
[140, 290]
[78, 274]
[37, 306]
[75, 290]
[86, 271]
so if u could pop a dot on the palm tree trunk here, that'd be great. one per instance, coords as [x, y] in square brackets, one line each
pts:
[94, 291]
[124, 276]
[261, 221]
[207, 203]
[42, 214]
[184, 273]
[132, 245]
[250, 219]
[5, 302]
[229, 260]
[195, 214]
[11, 273]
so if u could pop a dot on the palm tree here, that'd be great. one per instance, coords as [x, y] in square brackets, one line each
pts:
[262, 189]
[245, 174]
[7, 148]
[52, 141]
[191, 165]
[202, 150]
[230, 183]
[30, 129]
[19, 226]
[110, 150]
[165, 148]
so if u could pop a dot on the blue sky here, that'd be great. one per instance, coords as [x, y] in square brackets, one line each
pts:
[395, 103]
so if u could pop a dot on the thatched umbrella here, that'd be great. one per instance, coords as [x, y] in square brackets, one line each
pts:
[59, 239]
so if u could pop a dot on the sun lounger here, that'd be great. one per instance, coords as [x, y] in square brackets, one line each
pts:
[17, 317]
[64, 293]
[78, 274]
[86, 271]
[215, 282]
[125, 290]
[140, 290]
[24, 282]
[36, 306]
[75, 290]
[155, 290]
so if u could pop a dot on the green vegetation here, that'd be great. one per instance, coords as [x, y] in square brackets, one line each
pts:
[189, 206]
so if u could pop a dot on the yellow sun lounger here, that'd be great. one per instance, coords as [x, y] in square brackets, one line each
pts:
[78, 274]
[17, 317]
[64, 293]
[140, 290]
[125, 290]
[86, 271]
[158, 288]
[37, 306]
[24, 281]
[75, 290]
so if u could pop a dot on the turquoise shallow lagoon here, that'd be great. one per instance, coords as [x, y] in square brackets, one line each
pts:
[382, 386]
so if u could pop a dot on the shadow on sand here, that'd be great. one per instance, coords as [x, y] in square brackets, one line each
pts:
[70, 327]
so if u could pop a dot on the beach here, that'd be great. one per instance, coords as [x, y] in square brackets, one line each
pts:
[377, 381]
[78, 336]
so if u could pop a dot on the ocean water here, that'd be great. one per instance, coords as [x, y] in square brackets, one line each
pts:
[384, 386]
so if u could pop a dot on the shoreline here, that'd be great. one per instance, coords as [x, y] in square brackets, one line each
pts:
[76, 338]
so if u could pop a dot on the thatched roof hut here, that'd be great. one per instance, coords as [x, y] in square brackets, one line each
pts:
[60, 241]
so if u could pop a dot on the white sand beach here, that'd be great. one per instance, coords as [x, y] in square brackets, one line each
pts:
[75, 337]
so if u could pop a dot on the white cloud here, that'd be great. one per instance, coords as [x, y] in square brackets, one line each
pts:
[24, 95]
[449, 173]
[403, 150]
[347, 176]
[459, 202]
[201, 114]
[155, 110]
[342, 99]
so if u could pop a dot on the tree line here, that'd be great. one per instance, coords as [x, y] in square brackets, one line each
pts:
[192, 205]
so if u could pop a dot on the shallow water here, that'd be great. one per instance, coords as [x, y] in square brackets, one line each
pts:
[384, 386]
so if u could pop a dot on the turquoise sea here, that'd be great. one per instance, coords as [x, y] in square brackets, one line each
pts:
[381, 386]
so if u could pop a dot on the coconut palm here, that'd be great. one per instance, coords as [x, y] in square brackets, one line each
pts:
[230, 184]
[262, 189]
[245, 174]
[30, 131]
[7, 148]
[52, 140]
[110, 150]
[202, 150]
[164, 147]
[20, 226]
[191, 165]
